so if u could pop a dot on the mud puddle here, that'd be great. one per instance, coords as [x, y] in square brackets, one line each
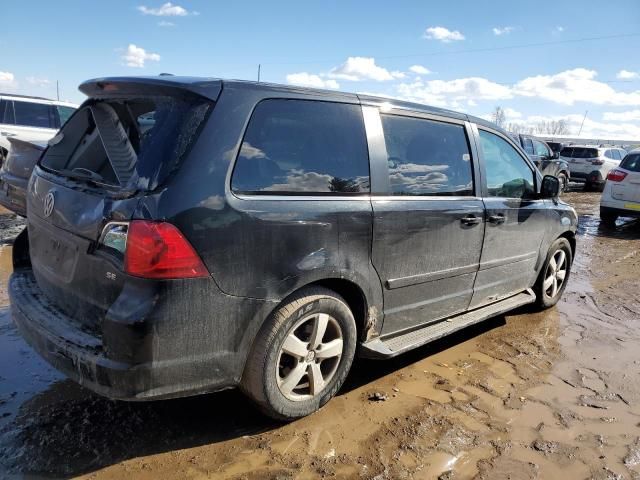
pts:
[529, 395]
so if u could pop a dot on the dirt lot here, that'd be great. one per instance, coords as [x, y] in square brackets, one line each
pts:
[530, 395]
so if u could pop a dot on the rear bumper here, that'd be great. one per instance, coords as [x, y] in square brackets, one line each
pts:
[81, 356]
[594, 177]
[13, 193]
[620, 212]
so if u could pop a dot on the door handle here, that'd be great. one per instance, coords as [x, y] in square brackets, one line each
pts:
[497, 218]
[471, 220]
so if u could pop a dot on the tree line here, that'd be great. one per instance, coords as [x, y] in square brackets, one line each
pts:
[543, 127]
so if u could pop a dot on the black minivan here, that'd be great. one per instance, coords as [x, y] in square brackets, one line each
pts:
[189, 235]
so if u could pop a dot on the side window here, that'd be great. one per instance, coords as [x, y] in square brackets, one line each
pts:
[507, 173]
[6, 112]
[608, 154]
[31, 114]
[64, 113]
[528, 146]
[303, 147]
[540, 148]
[427, 157]
[615, 154]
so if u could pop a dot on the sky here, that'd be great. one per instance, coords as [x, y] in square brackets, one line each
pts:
[543, 60]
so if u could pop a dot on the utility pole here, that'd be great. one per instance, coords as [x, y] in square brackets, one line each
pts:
[259, 73]
[57, 90]
[583, 119]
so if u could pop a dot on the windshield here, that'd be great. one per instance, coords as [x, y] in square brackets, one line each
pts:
[132, 142]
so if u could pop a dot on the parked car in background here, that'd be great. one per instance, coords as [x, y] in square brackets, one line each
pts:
[556, 146]
[591, 164]
[259, 235]
[621, 194]
[547, 161]
[30, 118]
[15, 172]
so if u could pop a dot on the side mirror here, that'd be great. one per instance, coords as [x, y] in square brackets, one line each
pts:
[550, 187]
[555, 155]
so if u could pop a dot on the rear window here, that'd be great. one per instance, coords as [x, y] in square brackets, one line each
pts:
[579, 152]
[133, 142]
[303, 147]
[29, 114]
[631, 162]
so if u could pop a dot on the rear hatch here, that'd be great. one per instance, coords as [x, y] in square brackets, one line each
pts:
[122, 143]
[628, 189]
[580, 158]
[23, 156]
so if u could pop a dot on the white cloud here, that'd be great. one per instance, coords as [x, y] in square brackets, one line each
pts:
[7, 79]
[305, 79]
[40, 82]
[136, 56]
[511, 114]
[419, 69]
[363, 68]
[443, 34]
[502, 30]
[627, 75]
[164, 23]
[445, 92]
[628, 116]
[558, 29]
[165, 10]
[576, 85]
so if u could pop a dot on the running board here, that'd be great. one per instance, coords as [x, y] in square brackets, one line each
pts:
[392, 346]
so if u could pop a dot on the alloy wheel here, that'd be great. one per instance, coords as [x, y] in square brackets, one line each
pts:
[309, 357]
[555, 274]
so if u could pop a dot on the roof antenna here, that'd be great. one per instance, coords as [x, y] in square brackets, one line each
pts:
[583, 119]
[58, 90]
[259, 73]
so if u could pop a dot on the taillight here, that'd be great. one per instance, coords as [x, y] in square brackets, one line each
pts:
[616, 175]
[158, 250]
[597, 162]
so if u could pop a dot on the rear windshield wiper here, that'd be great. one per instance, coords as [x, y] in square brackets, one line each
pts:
[83, 174]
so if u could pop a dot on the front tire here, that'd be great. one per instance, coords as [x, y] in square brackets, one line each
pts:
[564, 182]
[554, 274]
[302, 355]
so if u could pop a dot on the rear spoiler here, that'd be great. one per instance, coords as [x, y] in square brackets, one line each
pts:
[209, 88]
[18, 142]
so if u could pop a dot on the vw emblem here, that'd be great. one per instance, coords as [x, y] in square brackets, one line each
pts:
[49, 202]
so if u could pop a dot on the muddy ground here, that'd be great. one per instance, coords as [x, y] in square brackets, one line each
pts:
[528, 395]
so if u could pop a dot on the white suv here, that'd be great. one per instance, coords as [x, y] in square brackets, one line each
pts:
[621, 195]
[30, 119]
[591, 164]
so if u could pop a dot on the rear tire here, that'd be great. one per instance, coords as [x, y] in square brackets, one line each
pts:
[608, 219]
[293, 369]
[554, 274]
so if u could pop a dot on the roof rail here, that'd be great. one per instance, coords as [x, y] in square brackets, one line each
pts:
[25, 96]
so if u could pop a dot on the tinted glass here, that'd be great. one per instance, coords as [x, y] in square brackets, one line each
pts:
[6, 112]
[631, 162]
[64, 113]
[580, 152]
[566, 152]
[31, 114]
[427, 157]
[304, 147]
[528, 146]
[507, 173]
[540, 149]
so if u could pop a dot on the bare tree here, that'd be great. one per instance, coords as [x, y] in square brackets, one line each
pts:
[517, 128]
[498, 116]
[552, 127]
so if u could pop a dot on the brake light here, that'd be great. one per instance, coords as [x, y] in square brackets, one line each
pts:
[616, 175]
[597, 162]
[158, 250]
